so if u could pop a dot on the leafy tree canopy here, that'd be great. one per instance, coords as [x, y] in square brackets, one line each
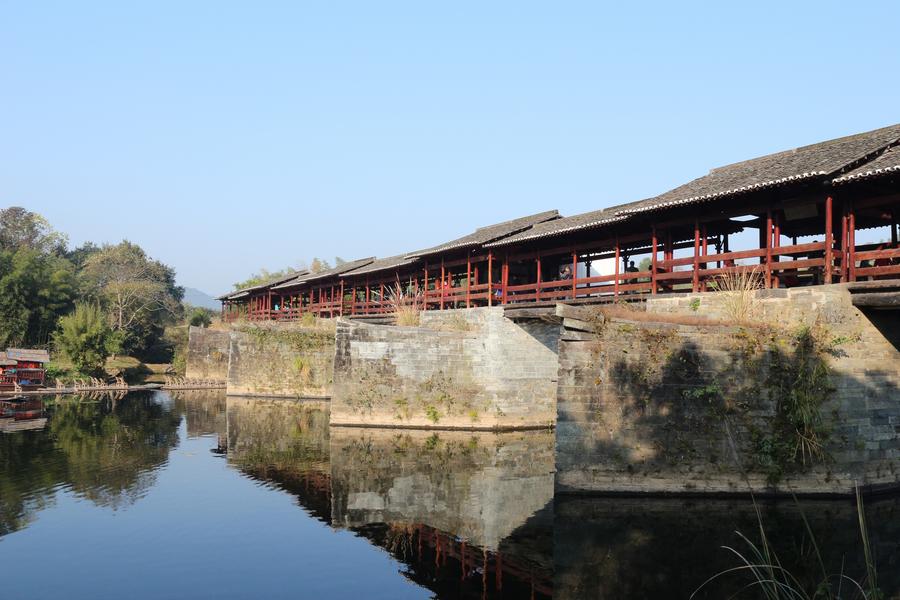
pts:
[20, 228]
[138, 293]
[35, 290]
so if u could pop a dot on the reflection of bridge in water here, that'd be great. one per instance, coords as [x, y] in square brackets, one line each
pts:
[469, 515]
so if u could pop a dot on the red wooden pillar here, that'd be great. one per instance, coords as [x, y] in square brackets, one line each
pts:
[705, 252]
[829, 239]
[695, 280]
[538, 288]
[768, 238]
[504, 278]
[851, 242]
[843, 242]
[653, 250]
[776, 243]
[490, 278]
[616, 279]
[468, 278]
[443, 274]
[574, 272]
[341, 305]
[425, 290]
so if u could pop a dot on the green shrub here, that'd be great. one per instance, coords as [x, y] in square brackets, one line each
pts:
[200, 317]
[85, 337]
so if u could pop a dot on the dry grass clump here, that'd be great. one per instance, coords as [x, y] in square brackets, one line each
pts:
[739, 288]
[405, 307]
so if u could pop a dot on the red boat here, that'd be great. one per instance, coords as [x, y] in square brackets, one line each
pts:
[23, 367]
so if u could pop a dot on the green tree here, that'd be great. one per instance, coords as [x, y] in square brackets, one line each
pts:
[317, 265]
[79, 255]
[138, 293]
[86, 338]
[200, 317]
[36, 288]
[20, 228]
[36, 281]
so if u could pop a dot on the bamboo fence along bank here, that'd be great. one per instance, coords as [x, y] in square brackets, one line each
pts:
[794, 216]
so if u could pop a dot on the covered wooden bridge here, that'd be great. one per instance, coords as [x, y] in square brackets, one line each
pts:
[793, 217]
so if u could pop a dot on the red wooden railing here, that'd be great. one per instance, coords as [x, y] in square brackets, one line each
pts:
[779, 266]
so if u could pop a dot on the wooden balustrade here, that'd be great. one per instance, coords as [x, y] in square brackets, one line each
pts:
[782, 266]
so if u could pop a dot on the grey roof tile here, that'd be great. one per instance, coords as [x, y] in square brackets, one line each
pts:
[805, 163]
[887, 163]
[332, 272]
[484, 235]
[588, 220]
[382, 264]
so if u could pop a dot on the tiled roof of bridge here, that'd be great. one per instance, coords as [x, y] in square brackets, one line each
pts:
[382, 264]
[272, 282]
[333, 272]
[887, 163]
[484, 235]
[805, 163]
[588, 220]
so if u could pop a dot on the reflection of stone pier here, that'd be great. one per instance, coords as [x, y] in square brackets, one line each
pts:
[479, 486]
[468, 513]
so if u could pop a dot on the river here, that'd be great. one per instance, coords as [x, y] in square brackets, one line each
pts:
[192, 495]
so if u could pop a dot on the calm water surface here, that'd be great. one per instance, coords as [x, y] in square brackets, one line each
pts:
[190, 495]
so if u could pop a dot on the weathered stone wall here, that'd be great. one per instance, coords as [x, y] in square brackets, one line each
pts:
[207, 356]
[471, 369]
[478, 486]
[663, 407]
[281, 359]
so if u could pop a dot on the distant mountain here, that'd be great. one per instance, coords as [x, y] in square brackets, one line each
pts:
[195, 297]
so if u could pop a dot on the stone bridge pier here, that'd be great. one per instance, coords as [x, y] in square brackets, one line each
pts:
[461, 369]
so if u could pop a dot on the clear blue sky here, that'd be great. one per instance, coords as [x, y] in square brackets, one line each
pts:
[228, 136]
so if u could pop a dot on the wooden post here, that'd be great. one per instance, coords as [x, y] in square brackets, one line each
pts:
[443, 274]
[653, 250]
[618, 262]
[695, 280]
[504, 278]
[768, 248]
[574, 272]
[776, 243]
[843, 243]
[829, 239]
[468, 278]
[705, 251]
[490, 278]
[538, 288]
[425, 289]
[851, 243]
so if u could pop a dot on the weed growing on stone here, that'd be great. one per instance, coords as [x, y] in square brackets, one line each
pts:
[432, 413]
